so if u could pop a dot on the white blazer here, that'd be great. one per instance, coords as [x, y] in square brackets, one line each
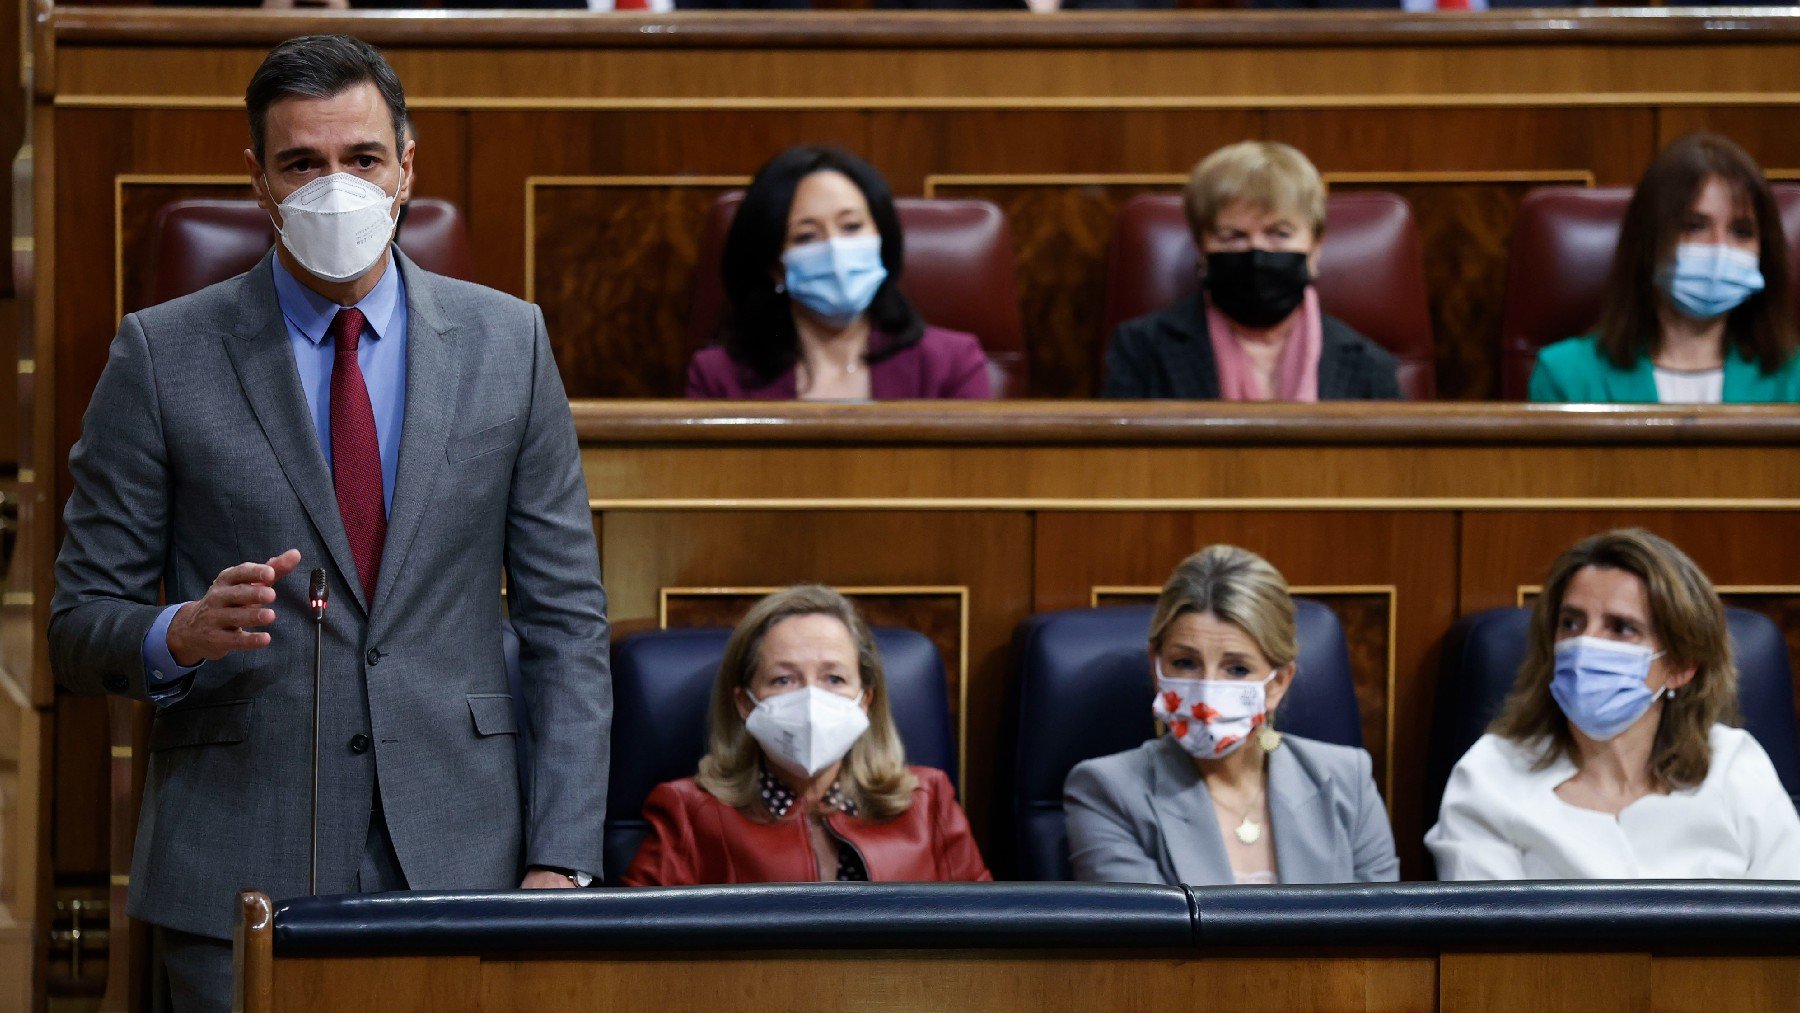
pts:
[1503, 820]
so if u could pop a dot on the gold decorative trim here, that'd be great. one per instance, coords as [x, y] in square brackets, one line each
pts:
[1483, 100]
[1581, 177]
[1525, 591]
[27, 367]
[125, 179]
[24, 244]
[18, 598]
[1065, 504]
[121, 752]
[959, 591]
[120, 880]
[1300, 591]
[27, 476]
[533, 182]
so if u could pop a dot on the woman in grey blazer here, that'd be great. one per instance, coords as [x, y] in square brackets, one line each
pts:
[1222, 797]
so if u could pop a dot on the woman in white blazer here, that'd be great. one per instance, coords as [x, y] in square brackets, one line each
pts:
[1611, 759]
[1221, 797]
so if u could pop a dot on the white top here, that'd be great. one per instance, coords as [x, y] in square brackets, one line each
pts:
[1264, 878]
[1680, 386]
[1503, 820]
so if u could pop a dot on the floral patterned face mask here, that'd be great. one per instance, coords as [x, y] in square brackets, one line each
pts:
[1210, 718]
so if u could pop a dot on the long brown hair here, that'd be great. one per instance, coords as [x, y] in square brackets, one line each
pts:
[874, 773]
[1762, 327]
[1688, 620]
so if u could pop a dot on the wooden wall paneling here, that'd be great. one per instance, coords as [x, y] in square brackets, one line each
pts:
[612, 260]
[1723, 982]
[1410, 552]
[389, 984]
[1756, 127]
[989, 553]
[1545, 982]
[507, 147]
[1465, 228]
[1505, 550]
[956, 980]
[1465, 170]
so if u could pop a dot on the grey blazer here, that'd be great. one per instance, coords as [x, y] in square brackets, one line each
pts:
[196, 453]
[1144, 816]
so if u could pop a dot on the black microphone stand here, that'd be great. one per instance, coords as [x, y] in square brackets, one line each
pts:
[321, 595]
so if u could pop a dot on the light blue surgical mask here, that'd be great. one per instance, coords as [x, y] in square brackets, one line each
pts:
[1708, 280]
[1602, 685]
[836, 278]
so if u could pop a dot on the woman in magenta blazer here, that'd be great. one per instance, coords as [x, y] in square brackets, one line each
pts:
[811, 269]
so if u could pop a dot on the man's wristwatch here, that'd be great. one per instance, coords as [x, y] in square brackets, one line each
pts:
[575, 876]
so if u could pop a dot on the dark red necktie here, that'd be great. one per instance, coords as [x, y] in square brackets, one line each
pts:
[356, 454]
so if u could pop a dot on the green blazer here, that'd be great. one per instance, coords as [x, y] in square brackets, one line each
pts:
[1575, 370]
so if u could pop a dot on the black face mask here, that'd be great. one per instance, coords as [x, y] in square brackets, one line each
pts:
[1257, 288]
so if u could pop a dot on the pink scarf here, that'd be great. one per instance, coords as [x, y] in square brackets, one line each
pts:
[1296, 375]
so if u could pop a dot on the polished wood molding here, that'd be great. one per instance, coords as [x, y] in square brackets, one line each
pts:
[835, 29]
[1100, 423]
[253, 954]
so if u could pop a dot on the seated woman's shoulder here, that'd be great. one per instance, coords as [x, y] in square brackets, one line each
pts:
[1729, 743]
[684, 793]
[1369, 346]
[1127, 765]
[943, 339]
[1581, 350]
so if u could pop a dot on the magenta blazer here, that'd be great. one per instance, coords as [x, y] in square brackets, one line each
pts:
[941, 364]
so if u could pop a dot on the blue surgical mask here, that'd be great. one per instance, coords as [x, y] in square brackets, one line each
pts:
[1709, 280]
[1602, 685]
[836, 278]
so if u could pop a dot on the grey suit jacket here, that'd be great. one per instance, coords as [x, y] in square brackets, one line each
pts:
[196, 453]
[1144, 816]
[1167, 354]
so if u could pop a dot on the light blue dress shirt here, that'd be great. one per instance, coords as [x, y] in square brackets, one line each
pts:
[381, 352]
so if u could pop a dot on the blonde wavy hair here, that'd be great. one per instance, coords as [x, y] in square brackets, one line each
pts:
[874, 774]
[1239, 587]
[1688, 620]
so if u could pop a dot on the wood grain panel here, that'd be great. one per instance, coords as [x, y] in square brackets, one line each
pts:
[613, 268]
[961, 981]
[1723, 982]
[396, 984]
[989, 553]
[1079, 551]
[507, 147]
[938, 614]
[1367, 621]
[1544, 982]
[1472, 222]
[1060, 236]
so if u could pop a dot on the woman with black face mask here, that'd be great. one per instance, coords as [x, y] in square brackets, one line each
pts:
[1255, 331]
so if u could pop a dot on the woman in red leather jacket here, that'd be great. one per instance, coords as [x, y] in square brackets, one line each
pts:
[804, 777]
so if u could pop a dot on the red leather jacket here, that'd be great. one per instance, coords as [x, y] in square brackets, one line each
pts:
[694, 838]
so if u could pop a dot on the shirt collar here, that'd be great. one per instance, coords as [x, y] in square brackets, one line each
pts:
[311, 313]
[778, 799]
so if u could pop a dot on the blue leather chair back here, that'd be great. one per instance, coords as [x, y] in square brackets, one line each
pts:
[662, 682]
[1084, 691]
[1484, 650]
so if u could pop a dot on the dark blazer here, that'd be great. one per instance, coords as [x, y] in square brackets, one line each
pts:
[941, 364]
[1169, 354]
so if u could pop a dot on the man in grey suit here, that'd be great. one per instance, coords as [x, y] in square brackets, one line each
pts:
[336, 407]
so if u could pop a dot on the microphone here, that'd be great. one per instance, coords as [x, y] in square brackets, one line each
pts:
[319, 595]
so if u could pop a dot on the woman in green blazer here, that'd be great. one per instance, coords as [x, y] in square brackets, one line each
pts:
[1697, 309]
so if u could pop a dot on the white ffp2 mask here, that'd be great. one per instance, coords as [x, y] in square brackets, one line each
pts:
[808, 729]
[337, 226]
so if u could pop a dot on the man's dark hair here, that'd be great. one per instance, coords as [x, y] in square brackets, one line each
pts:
[320, 66]
[758, 332]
